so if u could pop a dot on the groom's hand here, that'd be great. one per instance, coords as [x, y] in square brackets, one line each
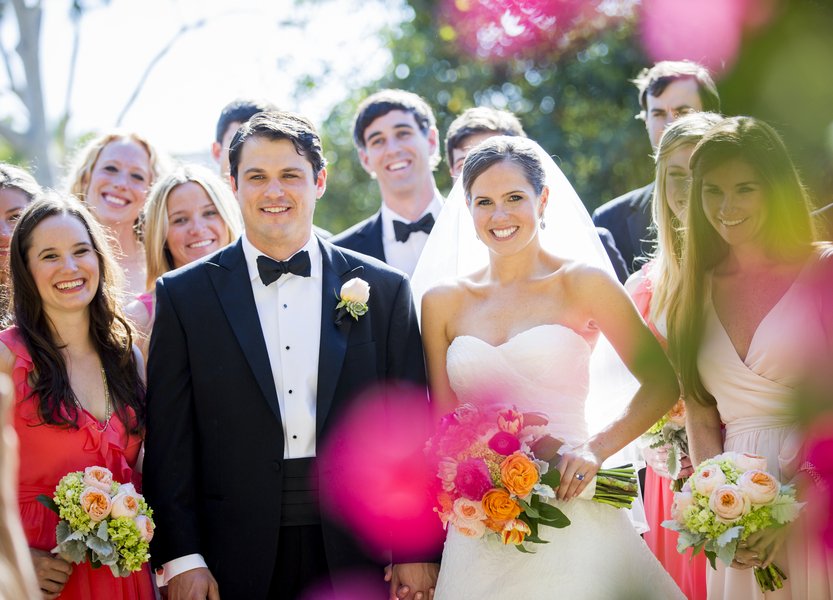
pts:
[196, 584]
[412, 581]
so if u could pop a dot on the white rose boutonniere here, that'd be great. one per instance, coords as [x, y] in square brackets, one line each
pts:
[353, 299]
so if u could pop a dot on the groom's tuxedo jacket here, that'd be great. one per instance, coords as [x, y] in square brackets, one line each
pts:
[215, 443]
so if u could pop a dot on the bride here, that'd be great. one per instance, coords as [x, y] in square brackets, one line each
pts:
[528, 320]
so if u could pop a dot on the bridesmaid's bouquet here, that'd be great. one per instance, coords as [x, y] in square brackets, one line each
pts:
[727, 499]
[494, 485]
[102, 521]
[670, 433]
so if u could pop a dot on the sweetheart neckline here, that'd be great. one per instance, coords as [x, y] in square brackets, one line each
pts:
[515, 336]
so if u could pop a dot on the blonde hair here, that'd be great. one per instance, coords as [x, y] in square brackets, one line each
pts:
[665, 269]
[17, 577]
[788, 230]
[155, 216]
[81, 169]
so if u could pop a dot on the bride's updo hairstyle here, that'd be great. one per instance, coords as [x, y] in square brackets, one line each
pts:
[788, 231]
[502, 148]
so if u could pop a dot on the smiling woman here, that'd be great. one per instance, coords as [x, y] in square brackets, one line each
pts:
[189, 214]
[112, 175]
[79, 396]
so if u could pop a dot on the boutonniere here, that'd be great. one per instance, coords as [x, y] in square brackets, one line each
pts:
[352, 299]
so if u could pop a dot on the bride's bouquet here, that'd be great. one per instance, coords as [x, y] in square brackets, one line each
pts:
[670, 433]
[727, 499]
[102, 521]
[494, 485]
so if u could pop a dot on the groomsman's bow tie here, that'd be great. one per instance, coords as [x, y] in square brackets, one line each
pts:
[402, 231]
[271, 270]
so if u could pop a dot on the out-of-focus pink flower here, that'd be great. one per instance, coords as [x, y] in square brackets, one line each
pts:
[473, 478]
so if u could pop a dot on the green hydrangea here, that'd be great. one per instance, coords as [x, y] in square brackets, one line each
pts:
[67, 498]
[657, 427]
[131, 548]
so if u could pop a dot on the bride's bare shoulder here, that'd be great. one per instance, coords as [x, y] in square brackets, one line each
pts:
[581, 276]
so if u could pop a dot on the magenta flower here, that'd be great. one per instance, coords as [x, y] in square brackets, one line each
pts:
[473, 479]
[504, 443]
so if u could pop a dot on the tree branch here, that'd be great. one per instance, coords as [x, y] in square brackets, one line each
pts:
[159, 56]
[61, 128]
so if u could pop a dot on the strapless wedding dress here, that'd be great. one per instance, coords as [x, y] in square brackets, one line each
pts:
[598, 556]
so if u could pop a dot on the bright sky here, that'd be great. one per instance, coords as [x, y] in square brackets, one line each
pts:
[244, 49]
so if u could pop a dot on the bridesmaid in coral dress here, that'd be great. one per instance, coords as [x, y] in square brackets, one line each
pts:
[741, 326]
[650, 288]
[79, 396]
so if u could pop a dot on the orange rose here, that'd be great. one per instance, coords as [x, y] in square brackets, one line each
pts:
[515, 532]
[499, 506]
[95, 503]
[518, 474]
[677, 413]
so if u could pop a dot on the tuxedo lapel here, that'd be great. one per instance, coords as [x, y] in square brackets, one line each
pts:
[639, 220]
[336, 271]
[230, 278]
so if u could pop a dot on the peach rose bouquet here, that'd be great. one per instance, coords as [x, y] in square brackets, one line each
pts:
[102, 521]
[492, 484]
[727, 499]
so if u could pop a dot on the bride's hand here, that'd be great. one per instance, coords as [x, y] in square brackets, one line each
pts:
[577, 468]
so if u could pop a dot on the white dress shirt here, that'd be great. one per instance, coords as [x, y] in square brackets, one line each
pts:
[404, 255]
[289, 310]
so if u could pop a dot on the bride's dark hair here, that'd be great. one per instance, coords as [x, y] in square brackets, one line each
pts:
[110, 332]
[502, 148]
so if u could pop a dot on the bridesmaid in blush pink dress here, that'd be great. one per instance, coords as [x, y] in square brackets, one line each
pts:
[740, 327]
[650, 288]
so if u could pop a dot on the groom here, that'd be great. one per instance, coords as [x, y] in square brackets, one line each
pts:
[250, 366]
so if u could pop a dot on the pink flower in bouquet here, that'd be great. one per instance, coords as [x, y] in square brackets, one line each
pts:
[682, 500]
[473, 479]
[469, 510]
[510, 421]
[95, 503]
[447, 473]
[677, 413]
[99, 478]
[750, 462]
[454, 445]
[124, 504]
[504, 443]
[760, 486]
[467, 414]
[705, 480]
[145, 527]
[515, 532]
[470, 528]
[729, 503]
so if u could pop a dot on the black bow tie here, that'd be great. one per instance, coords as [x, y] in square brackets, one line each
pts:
[271, 270]
[402, 231]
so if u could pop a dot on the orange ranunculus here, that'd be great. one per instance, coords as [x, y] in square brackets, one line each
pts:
[515, 532]
[496, 526]
[499, 506]
[95, 503]
[519, 474]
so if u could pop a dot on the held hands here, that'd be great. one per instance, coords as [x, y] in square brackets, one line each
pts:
[760, 548]
[52, 572]
[196, 584]
[577, 468]
[412, 581]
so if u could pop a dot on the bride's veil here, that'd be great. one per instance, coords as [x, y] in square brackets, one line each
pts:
[453, 250]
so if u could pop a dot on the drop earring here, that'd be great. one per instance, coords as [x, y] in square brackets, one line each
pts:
[542, 224]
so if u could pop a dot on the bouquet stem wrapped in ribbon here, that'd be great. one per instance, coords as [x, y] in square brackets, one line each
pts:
[494, 484]
[102, 521]
[727, 499]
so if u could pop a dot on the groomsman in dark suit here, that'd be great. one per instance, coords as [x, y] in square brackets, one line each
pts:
[480, 123]
[668, 90]
[250, 366]
[396, 136]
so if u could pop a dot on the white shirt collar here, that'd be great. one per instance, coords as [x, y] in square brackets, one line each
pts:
[389, 215]
[251, 253]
